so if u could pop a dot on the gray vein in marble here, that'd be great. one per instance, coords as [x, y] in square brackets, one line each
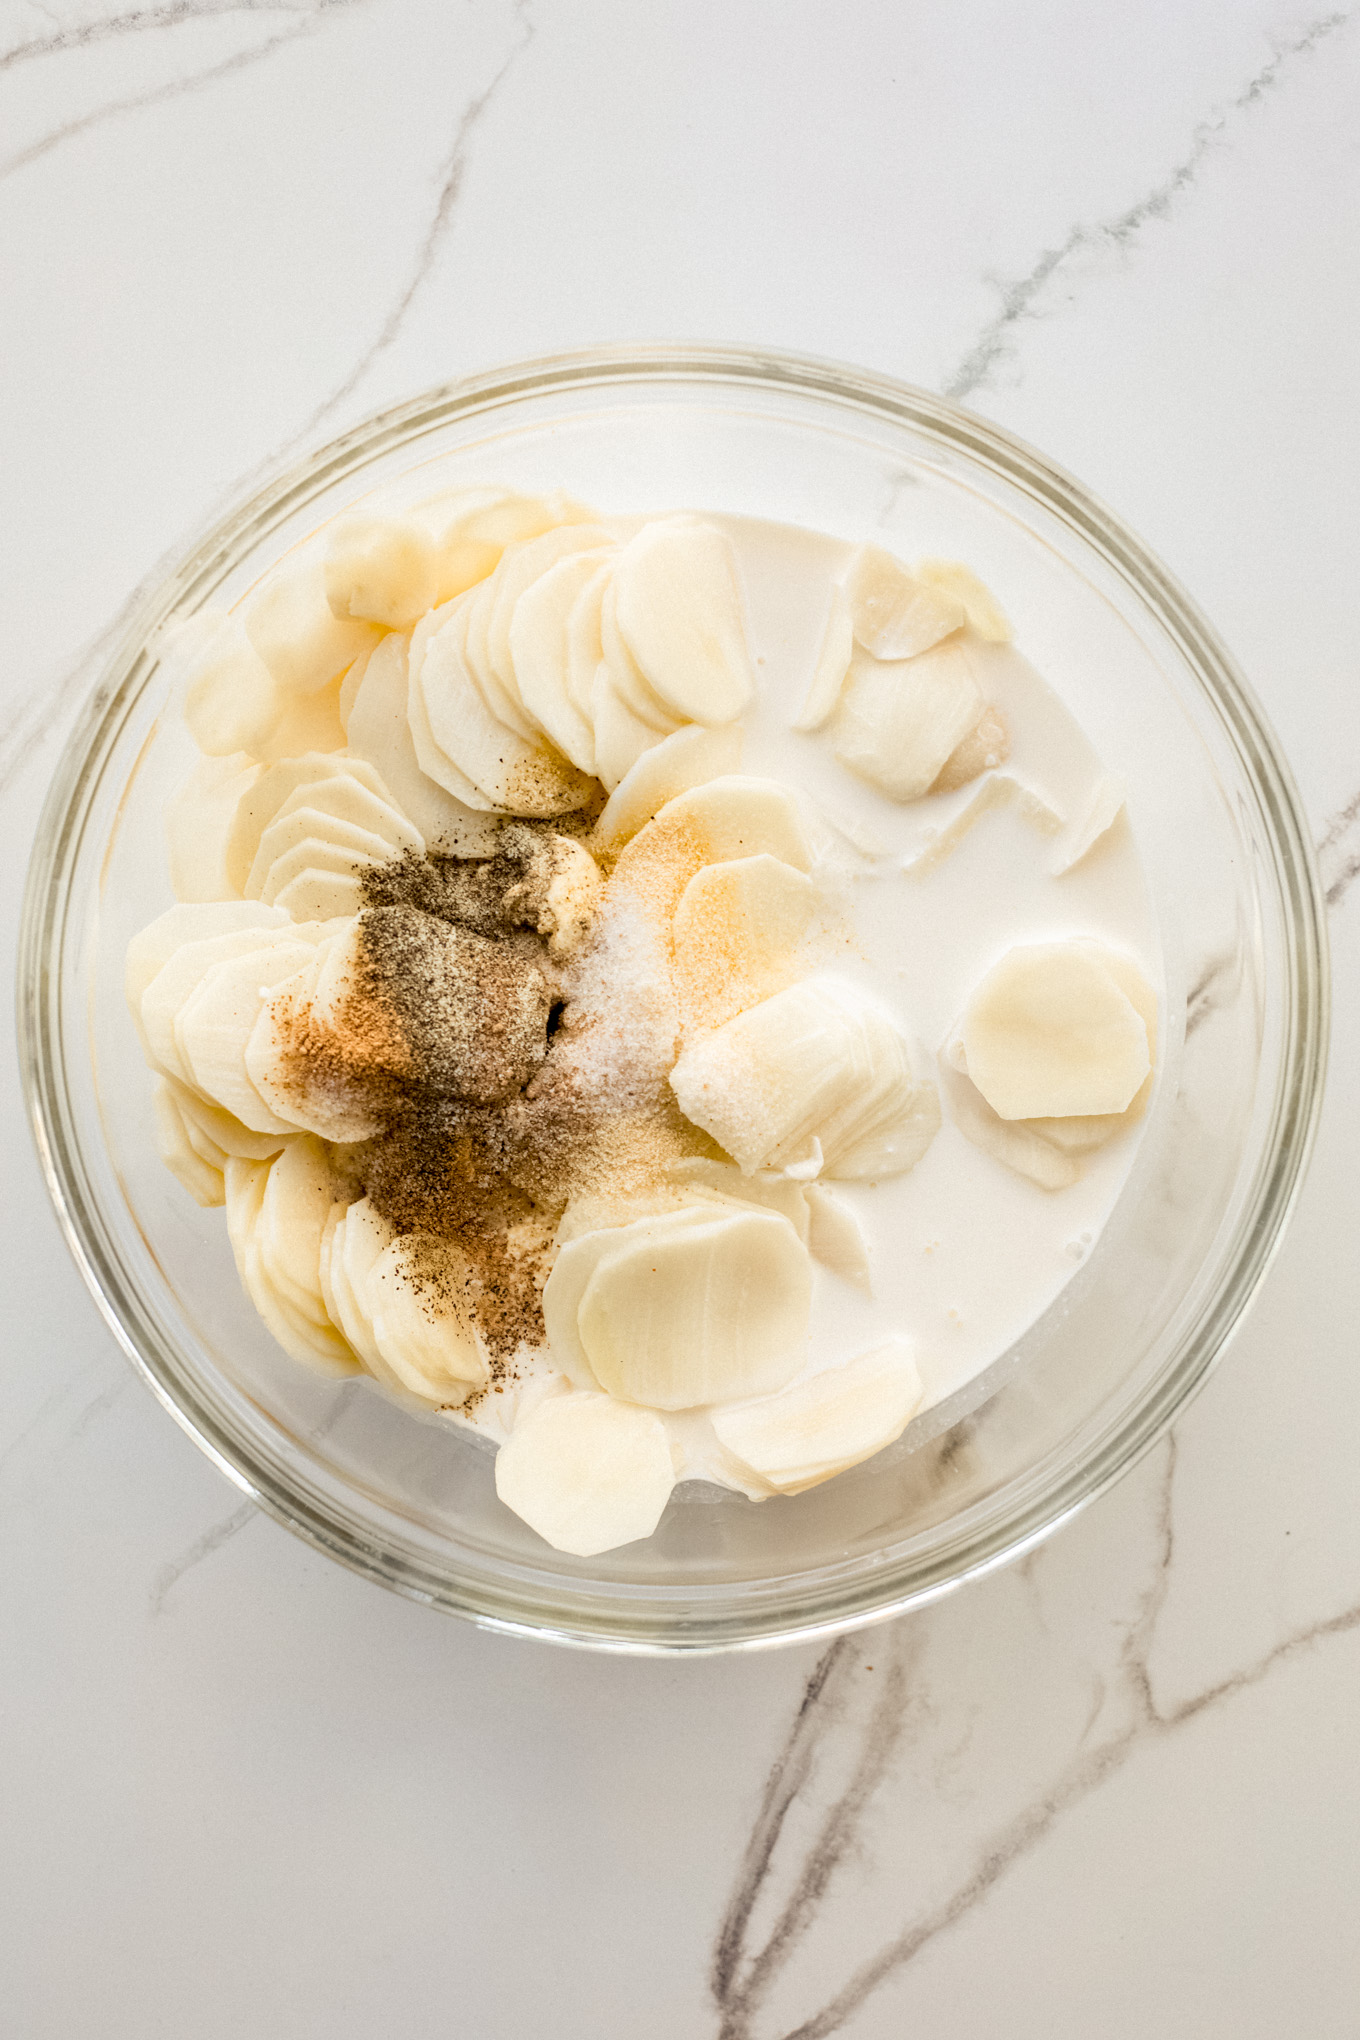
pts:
[1339, 852]
[736, 1994]
[174, 88]
[203, 1547]
[138, 20]
[1116, 236]
[451, 177]
[1219, 976]
[53, 1402]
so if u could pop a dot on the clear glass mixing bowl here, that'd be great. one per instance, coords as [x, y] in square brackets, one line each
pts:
[410, 1502]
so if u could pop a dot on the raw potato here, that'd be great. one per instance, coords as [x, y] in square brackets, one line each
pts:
[737, 816]
[622, 737]
[381, 570]
[428, 1341]
[538, 652]
[817, 1076]
[215, 1025]
[687, 758]
[153, 946]
[960, 584]
[738, 929]
[290, 623]
[1100, 813]
[838, 1419]
[683, 1307]
[200, 1177]
[197, 819]
[1013, 1142]
[231, 699]
[899, 720]
[836, 1238]
[306, 722]
[1049, 1032]
[168, 990]
[986, 746]
[511, 774]
[520, 567]
[271, 791]
[380, 734]
[833, 665]
[587, 1473]
[693, 1314]
[893, 614]
[679, 608]
[316, 1344]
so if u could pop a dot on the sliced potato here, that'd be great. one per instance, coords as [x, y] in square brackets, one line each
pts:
[899, 721]
[380, 734]
[807, 1434]
[895, 615]
[957, 583]
[290, 623]
[382, 570]
[679, 1313]
[414, 1294]
[687, 758]
[203, 1181]
[836, 1237]
[832, 667]
[1050, 1032]
[538, 653]
[215, 1024]
[738, 930]
[587, 1473]
[621, 737]
[680, 610]
[231, 699]
[197, 820]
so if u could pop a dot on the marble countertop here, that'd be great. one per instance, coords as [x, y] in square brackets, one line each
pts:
[1112, 1791]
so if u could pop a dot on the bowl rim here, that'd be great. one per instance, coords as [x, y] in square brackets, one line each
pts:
[606, 1623]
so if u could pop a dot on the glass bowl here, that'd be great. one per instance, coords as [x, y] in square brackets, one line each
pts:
[410, 1501]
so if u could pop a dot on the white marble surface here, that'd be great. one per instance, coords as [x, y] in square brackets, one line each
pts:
[1111, 1792]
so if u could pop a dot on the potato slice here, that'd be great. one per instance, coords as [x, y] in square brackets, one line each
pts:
[197, 820]
[345, 799]
[290, 623]
[621, 737]
[272, 790]
[817, 1069]
[306, 840]
[216, 1022]
[987, 745]
[380, 734]
[738, 929]
[587, 1473]
[421, 1326]
[315, 1345]
[894, 615]
[630, 682]
[516, 776]
[585, 640]
[315, 895]
[538, 653]
[680, 611]
[520, 567]
[192, 921]
[1098, 814]
[203, 1181]
[228, 1135]
[434, 762]
[174, 984]
[734, 816]
[678, 1314]
[359, 1239]
[293, 1213]
[836, 1238]
[1013, 1142]
[380, 569]
[687, 758]
[900, 720]
[572, 1271]
[832, 667]
[957, 583]
[231, 699]
[1050, 1032]
[809, 1433]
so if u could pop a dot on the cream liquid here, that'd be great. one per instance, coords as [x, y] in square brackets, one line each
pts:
[965, 1254]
